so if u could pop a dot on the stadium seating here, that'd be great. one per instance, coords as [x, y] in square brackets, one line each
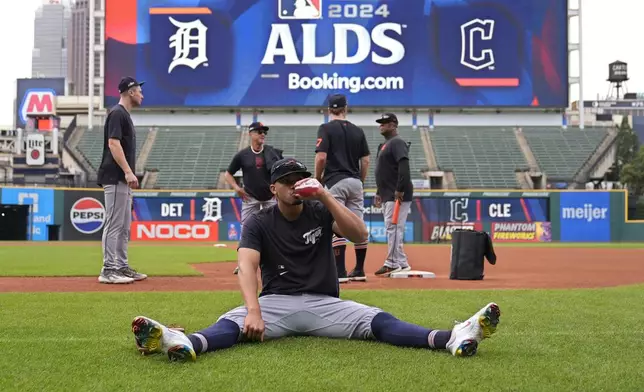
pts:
[480, 157]
[560, 153]
[299, 142]
[90, 146]
[192, 157]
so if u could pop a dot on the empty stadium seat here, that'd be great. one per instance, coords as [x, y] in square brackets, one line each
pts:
[480, 157]
[192, 157]
[91, 145]
[560, 153]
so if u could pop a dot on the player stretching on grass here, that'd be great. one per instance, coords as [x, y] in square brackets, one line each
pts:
[291, 242]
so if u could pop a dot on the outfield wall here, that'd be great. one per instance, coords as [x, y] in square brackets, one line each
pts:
[185, 215]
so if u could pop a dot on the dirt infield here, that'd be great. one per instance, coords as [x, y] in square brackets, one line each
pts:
[516, 268]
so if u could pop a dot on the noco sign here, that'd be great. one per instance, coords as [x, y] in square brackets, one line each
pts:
[174, 231]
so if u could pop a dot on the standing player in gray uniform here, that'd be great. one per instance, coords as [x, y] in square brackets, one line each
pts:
[393, 181]
[255, 163]
[341, 164]
[116, 176]
[291, 243]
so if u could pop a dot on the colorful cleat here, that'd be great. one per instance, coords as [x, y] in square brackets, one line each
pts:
[153, 337]
[467, 335]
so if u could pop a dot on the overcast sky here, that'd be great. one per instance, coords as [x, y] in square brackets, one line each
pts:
[610, 29]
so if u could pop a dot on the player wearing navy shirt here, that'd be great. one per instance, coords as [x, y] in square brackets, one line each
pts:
[292, 244]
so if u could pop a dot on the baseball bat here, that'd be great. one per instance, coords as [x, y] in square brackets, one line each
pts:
[394, 217]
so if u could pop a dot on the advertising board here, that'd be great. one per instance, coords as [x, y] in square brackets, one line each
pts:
[498, 53]
[585, 216]
[378, 232]
[205, 218]
[442, 231]
[475, 209]
[36, 97]
[84, 215]
[174, 231]
[182, 209]
[41, 212]
[521, 232]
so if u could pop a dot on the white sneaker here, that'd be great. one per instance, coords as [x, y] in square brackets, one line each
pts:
[111, 276]
[153, 337]
[467, 335]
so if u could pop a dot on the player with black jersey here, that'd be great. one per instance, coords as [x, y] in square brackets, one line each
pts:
[393, 181]
[255, 163]
[341, 164]
[117, 176]
[292, 244]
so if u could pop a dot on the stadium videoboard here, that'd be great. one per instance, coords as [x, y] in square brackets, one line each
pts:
[294, 53]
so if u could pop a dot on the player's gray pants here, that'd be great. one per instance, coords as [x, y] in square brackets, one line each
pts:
[396, 257]
[349, 192]
[310, 315]
[116, 230]
[251, 206]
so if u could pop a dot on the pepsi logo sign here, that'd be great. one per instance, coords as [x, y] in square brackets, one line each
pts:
[87, 215]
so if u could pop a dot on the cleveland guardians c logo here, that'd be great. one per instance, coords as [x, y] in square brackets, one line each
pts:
[472, 56]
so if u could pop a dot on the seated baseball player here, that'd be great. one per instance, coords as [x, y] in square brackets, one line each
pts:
[292, 244]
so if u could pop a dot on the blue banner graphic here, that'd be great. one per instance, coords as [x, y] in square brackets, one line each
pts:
[465, 209]
[178, 209]
[277, 53]
[41, 212]
[378, 232]
[585, 216]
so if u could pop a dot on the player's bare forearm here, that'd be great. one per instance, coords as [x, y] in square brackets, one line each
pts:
[364, 168]
[248, 260]
[119, 155]
[349, 225]
[231, 180]
[320, 164]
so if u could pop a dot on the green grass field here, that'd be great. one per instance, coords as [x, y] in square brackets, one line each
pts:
[86, 260]
[548, 340]
[582, 340]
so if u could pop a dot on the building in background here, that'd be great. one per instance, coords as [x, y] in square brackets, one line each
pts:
[49, 55]
[78, 50]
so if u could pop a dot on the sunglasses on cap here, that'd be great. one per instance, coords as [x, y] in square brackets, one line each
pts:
[291, 178]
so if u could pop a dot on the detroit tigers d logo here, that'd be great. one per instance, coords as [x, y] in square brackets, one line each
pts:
[183, 41]
[473, 55]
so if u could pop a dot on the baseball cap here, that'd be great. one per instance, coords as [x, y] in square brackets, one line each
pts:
[286, 166]
[127, 83]
[337, 101]
[257, 126]
[387, 118]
